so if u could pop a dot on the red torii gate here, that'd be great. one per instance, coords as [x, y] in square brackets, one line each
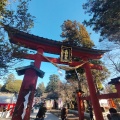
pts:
[42, 45]
[114, 81]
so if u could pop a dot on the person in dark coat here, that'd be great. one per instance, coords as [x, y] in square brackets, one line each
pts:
[91, 113]
[42, 111]
[113, 114]
[55, 104]
[64, 112]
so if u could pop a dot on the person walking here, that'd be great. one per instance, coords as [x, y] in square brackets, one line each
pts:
[113, 114]
[41, 112]
[64, 112]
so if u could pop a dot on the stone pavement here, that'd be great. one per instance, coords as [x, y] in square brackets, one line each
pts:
[53, 115]
[70, 116]
[48, 116]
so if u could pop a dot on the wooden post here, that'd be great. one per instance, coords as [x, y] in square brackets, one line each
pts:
[117, 86]
[28, 86]
[80, 106]
[93, 95]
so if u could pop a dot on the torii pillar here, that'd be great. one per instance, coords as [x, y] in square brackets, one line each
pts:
[93, 95]
[28, 86]
[80, 106]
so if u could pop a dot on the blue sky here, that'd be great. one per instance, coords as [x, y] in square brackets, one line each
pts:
[50, 15]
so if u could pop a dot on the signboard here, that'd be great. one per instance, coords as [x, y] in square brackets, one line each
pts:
[66, 54]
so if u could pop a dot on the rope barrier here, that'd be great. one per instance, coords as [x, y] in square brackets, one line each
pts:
[67, 68]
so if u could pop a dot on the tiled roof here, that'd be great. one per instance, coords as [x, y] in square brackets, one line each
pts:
[46, 41]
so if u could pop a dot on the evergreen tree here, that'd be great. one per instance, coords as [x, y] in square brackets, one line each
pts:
[40, 89]
[53, 83]
[76, 34]
[19, 18]
[11, 84]
[105, 18]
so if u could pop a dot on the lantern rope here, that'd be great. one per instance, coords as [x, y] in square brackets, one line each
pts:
[67, 68]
